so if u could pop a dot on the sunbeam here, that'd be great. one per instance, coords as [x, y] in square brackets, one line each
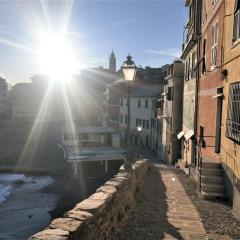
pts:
[16, 45]
[35, 134]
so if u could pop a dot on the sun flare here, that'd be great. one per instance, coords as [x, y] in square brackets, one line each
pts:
[56, 57]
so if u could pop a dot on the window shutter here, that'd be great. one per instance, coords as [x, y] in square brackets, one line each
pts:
[238, 23]
[235, 21]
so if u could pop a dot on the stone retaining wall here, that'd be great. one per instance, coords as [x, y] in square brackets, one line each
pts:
[103, 212]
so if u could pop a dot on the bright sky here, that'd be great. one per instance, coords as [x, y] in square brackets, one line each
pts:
[150, 30]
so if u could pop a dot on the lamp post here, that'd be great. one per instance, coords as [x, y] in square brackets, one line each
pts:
[139, 129]
[129, 70]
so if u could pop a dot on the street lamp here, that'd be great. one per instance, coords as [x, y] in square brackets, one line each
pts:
[129, 70]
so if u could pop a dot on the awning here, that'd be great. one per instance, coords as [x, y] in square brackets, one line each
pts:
[181, 134]
[189, 134]
[217, 95]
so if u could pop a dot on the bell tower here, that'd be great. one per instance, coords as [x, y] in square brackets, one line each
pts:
[112, 62]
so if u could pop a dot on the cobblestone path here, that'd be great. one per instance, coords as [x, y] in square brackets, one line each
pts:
[163, 211]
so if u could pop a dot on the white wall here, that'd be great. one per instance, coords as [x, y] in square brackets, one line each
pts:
[142, 113]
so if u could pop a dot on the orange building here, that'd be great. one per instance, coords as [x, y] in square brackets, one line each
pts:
[230, 134]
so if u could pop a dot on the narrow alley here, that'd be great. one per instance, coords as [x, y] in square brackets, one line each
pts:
[167, 208]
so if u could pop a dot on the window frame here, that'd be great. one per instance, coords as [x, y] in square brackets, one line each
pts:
[146, 103]
[139, 103]
[214, 45]
[236, 24]
[233, 113]
[121, 101]
[204, 57]
[193, 64]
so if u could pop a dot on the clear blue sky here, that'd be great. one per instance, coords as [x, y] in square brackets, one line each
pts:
[150, 30]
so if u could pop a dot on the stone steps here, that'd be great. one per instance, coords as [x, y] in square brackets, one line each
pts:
[217, 188]
[212, 181]
[212, 172]
[212, 195]
[211, 165]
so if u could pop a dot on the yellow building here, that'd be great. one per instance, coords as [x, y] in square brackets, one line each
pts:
[230, 132]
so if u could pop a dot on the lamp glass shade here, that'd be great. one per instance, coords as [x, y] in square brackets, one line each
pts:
[129, 69]
[129, 73]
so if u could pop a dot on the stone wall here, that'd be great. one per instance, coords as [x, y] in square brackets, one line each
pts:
[103, 212]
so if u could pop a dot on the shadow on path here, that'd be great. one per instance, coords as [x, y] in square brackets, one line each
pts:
[148, 220]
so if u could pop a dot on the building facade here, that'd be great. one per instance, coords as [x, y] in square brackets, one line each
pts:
[230, 131]
[142, 114]
[112, 104]
[189, 56]
[210, 79]
[174, 98]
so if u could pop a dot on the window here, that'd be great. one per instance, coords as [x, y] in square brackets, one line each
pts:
[147, 123]
[214, 44]
[146, 103]
[193, 73]
[121, 101]
[144, 123]
[188, 69]
[204, 57]
[139, 102]
[233, 112]
[236, 21]
[169, 94]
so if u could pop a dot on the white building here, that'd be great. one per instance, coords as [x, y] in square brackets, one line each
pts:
[3, 95]
[142, 113]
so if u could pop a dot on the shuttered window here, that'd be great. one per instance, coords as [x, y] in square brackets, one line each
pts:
[204, 57]
[193, 73]
[233, 114]
[236, 21]
[214, 44]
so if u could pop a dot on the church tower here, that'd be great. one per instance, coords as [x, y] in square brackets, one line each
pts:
[112, 62]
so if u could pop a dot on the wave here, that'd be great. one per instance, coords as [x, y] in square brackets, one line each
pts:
[10, 182]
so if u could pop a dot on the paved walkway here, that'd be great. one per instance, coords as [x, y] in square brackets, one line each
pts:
[163, 210]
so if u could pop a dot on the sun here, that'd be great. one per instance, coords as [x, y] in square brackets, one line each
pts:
[56, 57]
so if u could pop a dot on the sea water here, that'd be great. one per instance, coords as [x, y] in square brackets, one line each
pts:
[24, 209]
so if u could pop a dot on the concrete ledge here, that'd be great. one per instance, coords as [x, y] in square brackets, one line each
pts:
[103, 212]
